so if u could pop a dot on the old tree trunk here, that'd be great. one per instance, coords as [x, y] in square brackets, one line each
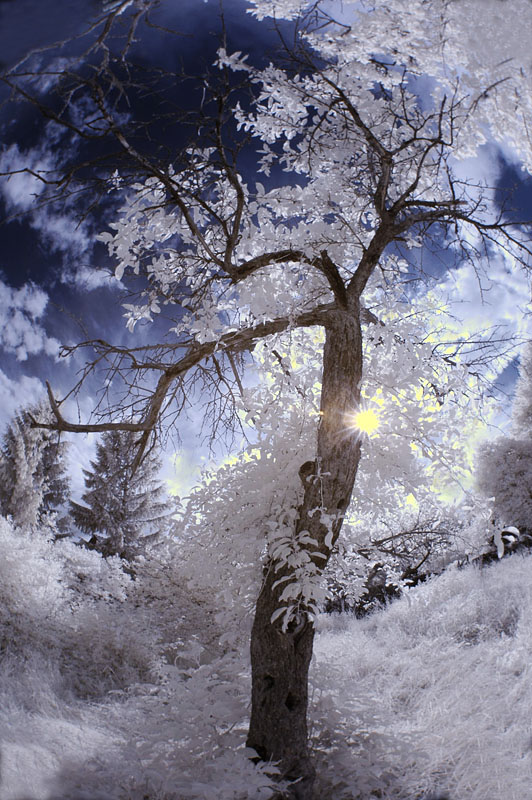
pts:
[280, 659]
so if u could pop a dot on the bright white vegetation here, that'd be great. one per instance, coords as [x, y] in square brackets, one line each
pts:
[504, 470]
[430, 695]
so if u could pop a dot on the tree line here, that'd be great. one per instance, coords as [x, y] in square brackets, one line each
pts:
[121, 511]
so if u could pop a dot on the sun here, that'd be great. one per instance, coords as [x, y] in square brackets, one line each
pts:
[366, 421]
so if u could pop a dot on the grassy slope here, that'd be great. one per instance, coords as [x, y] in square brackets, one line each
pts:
[434, 693]
[429, 698]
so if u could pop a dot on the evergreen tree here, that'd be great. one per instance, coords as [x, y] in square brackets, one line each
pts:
[32, 473]
[504, 469]
[124, 509]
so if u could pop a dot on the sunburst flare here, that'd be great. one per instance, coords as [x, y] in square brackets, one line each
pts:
[365, 421]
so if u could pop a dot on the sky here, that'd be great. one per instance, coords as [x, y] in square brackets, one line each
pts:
[56, 280]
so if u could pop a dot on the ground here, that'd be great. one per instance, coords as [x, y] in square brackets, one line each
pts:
[113, 698]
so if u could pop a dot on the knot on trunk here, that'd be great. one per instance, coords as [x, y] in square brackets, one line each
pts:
[307, 471]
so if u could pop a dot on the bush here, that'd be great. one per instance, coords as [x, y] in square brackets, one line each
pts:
[66, 606]
[107, 691]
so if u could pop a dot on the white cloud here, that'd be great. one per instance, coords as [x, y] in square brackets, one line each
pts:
[21, 187]
[16, 394]
[182, 470]
[484, 168]
[20, 330]
[47, 76]
[81, 450]
[498, 298]
[62, 232]
[32, 299]
[89, 278]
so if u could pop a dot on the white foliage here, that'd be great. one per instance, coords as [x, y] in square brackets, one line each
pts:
[522, 405]
[504, 474]
[431, 695]
[33, 485]
[21, 332]
[111, 689]
[46, 609]
[481, 43]
[125, 511]
[504, 467]
[430, 54]
[244, 512]
[179, 730]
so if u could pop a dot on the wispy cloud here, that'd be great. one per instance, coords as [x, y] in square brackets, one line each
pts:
[492, 306]
[28, 173]
[23, 177]
[21, 332]
[501, 297]
[89, 278]
[16, 394]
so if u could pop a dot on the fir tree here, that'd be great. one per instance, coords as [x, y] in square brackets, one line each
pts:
[33, 484]
[504, 470]
[124, 508]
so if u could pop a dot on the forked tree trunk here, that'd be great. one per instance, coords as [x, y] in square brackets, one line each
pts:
[280, 660]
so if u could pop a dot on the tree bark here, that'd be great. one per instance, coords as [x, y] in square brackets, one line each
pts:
[279, 695]
[280, 660]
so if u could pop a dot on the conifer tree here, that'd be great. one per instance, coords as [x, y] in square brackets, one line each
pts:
[124, 508]
[504, 470]
[32, 472]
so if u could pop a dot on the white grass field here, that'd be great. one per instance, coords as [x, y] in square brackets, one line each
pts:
[109, 691]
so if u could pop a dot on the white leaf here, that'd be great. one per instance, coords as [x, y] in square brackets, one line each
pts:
[281, 580]
[278, 613]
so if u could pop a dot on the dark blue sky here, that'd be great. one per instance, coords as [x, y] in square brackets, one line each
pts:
[56, 251]
[50, 255]
[54, 285]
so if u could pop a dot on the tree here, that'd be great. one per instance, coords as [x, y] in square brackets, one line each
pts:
[33, 484]
[361, 170]
[504, 469]
[124, 510]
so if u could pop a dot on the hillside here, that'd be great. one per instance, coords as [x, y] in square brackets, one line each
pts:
[439, 683]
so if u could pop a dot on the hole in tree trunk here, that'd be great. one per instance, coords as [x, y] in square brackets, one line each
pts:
[268, 682]
[261, 752]
[291, 701]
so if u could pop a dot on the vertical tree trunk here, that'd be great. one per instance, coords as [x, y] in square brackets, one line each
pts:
[279, 696]
[280, 659]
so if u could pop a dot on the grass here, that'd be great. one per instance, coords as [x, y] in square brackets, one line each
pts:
[428, 698]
